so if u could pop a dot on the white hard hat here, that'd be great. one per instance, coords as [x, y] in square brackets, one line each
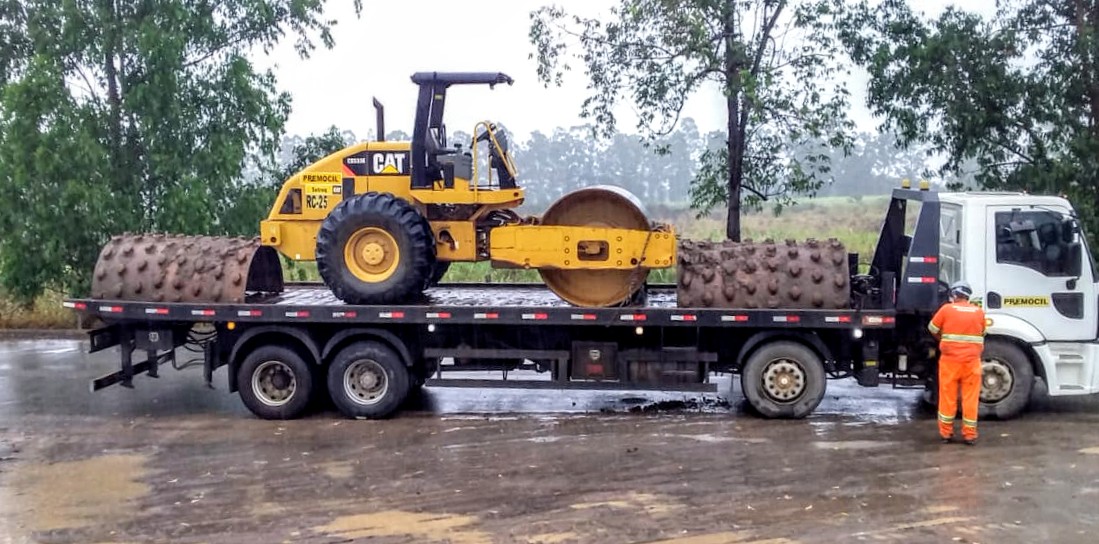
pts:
[961, 289]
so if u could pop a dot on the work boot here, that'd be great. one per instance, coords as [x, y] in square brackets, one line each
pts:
[946, 439]
[970, 441]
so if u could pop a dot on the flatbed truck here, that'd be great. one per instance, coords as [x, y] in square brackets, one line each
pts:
[1024, 255]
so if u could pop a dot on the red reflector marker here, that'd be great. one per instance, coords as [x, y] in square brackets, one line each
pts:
[249, 313]
[156, 311]
[632, 317]
[344, 315]
[438, 315]
[111, 309]
[492, 315]
[928, 260]
[739, 318]
[921, 279]
[785, 319]
[297, 314]
[537, 317]
[583, 317]
[391, 315]
[202, 313]
[685, 317]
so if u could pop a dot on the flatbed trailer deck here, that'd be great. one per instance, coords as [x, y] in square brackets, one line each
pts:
[655, 345]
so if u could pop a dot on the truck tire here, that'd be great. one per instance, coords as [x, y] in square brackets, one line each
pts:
[375, 248]
[1007, 379]
[368, 380]
[783, 379]
[275, 383]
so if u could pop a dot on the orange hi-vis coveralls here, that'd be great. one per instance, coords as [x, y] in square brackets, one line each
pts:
[960, 328]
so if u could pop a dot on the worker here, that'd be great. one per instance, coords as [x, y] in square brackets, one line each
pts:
[960, 328]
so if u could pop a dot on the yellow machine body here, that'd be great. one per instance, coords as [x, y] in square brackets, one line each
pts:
[307, 198]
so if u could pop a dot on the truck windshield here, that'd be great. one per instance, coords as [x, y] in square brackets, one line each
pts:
[950, 246]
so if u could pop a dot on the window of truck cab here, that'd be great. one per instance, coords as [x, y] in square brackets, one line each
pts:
[950, 243]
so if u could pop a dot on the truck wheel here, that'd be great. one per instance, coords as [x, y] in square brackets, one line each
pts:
[374, 248]
[368, 380]
[1007, 378]
[783, 380]
[275, 383]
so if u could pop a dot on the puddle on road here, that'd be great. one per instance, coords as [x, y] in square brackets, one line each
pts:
[420, 527]
[72, 494]
[853, 444]
[728, 537]
[646, 502]
[553, 538]
[337, 470]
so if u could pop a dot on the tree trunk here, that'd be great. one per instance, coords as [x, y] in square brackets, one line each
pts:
[735, 141]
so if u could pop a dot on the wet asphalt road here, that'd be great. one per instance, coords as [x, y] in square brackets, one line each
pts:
[173, 461]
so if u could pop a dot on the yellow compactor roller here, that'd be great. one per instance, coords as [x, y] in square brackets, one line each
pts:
[383, 220]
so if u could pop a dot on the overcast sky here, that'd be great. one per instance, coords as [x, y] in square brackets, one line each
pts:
[376, 53]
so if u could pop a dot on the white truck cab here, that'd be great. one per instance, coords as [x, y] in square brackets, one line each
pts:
[1028, 263]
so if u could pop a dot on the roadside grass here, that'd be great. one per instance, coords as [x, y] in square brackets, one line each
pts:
[45, 313]
[854, 221]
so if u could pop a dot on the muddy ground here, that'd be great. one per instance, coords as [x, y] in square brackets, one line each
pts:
[173, 461]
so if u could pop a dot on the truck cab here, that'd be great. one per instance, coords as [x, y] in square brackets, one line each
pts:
[1028, 263]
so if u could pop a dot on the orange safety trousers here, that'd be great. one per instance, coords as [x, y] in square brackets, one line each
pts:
[966, 373]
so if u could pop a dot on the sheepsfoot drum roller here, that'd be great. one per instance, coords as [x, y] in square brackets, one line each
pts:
[810, 274]
[161, 268]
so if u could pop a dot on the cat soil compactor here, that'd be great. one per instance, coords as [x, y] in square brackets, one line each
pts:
[384, 220]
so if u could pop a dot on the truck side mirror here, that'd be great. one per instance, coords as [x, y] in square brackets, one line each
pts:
[1069, 229]
[1075, 265]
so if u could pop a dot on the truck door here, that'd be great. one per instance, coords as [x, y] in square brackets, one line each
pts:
[1039, 272]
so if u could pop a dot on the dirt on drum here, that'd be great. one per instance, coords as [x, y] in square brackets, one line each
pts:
[168, 268]
[809, 274]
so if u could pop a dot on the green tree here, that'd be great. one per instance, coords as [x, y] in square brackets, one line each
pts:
[772, 59]
[1015, 94]
[124, 115]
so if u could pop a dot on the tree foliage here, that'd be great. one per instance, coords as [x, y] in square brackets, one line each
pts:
[773, 60]
[1015, 94]
[123, 115]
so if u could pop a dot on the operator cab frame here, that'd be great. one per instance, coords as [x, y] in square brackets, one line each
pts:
[432, 159]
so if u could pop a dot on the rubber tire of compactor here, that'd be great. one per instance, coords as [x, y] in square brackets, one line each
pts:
[793, 275]
[401, 221]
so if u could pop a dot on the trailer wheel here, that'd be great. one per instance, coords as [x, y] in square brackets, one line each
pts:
[783, 379]
[368, 380]
[1007, 379]
[275, 383]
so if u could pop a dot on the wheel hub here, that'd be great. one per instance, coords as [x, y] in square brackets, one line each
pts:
[783, 380]
[365, 382]
[273, 383]
[373, 254]
[997, 381]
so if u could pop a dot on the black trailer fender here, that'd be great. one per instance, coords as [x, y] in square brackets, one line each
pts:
[810, 339]
[381, 335]
[250, 336]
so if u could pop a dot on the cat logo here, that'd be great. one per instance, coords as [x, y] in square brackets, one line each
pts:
[388, 164]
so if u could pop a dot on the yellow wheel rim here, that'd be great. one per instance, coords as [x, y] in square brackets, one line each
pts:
[371, 254]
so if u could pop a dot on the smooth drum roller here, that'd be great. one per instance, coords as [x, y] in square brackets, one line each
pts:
[599, 206]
